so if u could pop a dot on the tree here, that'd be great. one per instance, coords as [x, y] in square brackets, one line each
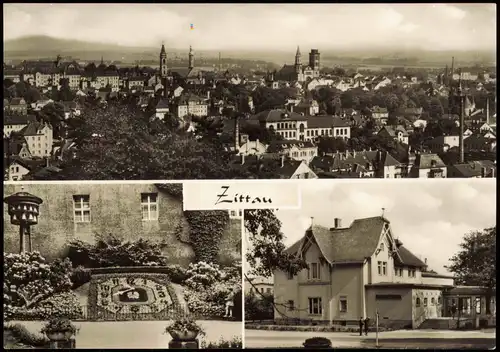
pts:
[267, 250]
[120, 142]
[259, 306]
[436, 109]
[475, 263]
[331, 145]
[53, 114]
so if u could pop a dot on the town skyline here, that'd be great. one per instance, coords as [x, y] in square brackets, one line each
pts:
[430, 27]
[416, 212]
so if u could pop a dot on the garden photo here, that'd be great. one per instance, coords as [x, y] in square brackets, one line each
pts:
[118, 265]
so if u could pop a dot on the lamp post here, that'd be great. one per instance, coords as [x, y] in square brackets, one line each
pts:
[23, 209]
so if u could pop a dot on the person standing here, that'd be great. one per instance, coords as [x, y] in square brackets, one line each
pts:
[229, 304]
[361, 325]
[367, 322]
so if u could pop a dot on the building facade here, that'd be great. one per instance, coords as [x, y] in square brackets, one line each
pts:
[359, 271]
[130, 211]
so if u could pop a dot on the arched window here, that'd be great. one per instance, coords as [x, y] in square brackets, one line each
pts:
[301, 128]
[439, 300]
[433, 301]
[417, 302]
[425, 302]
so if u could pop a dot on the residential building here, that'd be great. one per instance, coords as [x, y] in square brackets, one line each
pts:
[308, 107]
[473, 169]
[397, 133]
[353, 164]
[162, 108]
[39, 138]
[248, 147]
[443, 143]
[359, 271]
[190, 104]
[15, 168]
[379, 113]
[478, 142]
[296, 150]
[275, 164]
[259, 284]
[18, 106]
[131, 211]
[427, 166]
[15, 123]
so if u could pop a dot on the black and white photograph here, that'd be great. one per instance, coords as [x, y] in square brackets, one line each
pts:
[249, 91]
[374, 264]
[118, 265]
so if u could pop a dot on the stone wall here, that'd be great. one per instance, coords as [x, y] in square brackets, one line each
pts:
[116, 209]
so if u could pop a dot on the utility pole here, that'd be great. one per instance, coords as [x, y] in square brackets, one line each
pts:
[376, 329]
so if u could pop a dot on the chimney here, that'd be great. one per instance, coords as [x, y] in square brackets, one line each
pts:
[483, 172]
[237, 133]
[493, 172]
[337, 223]
[282, 160]
[242, 159]
[488, 111]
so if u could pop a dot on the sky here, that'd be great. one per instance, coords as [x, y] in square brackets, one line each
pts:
[261, 26]
[430, 217]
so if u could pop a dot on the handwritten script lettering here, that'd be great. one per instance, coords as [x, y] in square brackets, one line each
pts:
[226, 197]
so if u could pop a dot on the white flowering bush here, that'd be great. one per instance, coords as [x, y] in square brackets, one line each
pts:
[202, 275]
[29, 280]
[208, 288]
[61, 305]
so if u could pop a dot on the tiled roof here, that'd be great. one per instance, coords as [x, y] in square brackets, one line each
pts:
[349, 160]
[270, 160]
[162, 104]
[277, 115]
[18, 119]
[326, 121]
[352, 244]
[17, 101]
[274, 146]
[428, 161]
[32, 129]
[407, 258]
[473, 168]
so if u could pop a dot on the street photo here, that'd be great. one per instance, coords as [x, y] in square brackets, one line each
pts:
[248, 91]
[404, 264]
[118, 265]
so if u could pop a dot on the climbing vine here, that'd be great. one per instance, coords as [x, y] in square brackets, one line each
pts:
[205, 227]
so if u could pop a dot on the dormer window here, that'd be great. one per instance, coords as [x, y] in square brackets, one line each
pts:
[382, 247]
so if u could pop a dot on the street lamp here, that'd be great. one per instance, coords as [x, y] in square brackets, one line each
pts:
[23, 209]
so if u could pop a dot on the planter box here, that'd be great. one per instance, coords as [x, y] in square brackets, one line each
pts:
[183, 336]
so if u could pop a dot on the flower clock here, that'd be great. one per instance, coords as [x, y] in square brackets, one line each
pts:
[128, 296]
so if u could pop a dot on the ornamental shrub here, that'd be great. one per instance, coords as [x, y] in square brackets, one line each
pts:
[235, 342]
[62, 305]
[201, 275]
[177, 274]
[29, 280]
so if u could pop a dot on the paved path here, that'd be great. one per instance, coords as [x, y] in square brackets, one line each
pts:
[138, 334]
[394, 339]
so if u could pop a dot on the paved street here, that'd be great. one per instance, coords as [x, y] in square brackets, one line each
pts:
[392, 339]
[137, 334]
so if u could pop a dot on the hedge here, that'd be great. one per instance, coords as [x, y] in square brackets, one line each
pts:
[317, 328]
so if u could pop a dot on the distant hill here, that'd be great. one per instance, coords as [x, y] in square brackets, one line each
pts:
[37, 47]
[45, 43]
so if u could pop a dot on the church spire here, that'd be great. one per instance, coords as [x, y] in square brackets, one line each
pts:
[298, 62]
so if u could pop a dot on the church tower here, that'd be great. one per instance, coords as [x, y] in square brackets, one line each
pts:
[191, 58]
[298, 61]
[163, 62]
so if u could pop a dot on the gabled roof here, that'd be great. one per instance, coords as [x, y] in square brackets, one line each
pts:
[355, 243]
[274, 145]
[428, 161]
[18, 119]
[474, 168]
[32, 129]
[346, 245]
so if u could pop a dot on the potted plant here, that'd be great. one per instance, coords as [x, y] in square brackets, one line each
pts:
[59, 329]
[184, 329]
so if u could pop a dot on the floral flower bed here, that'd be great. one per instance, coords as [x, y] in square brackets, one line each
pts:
[97, 312]
[317, 328]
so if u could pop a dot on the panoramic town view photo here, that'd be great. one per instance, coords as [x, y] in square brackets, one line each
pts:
[266, 91]
[118, 266]
[368, 265]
